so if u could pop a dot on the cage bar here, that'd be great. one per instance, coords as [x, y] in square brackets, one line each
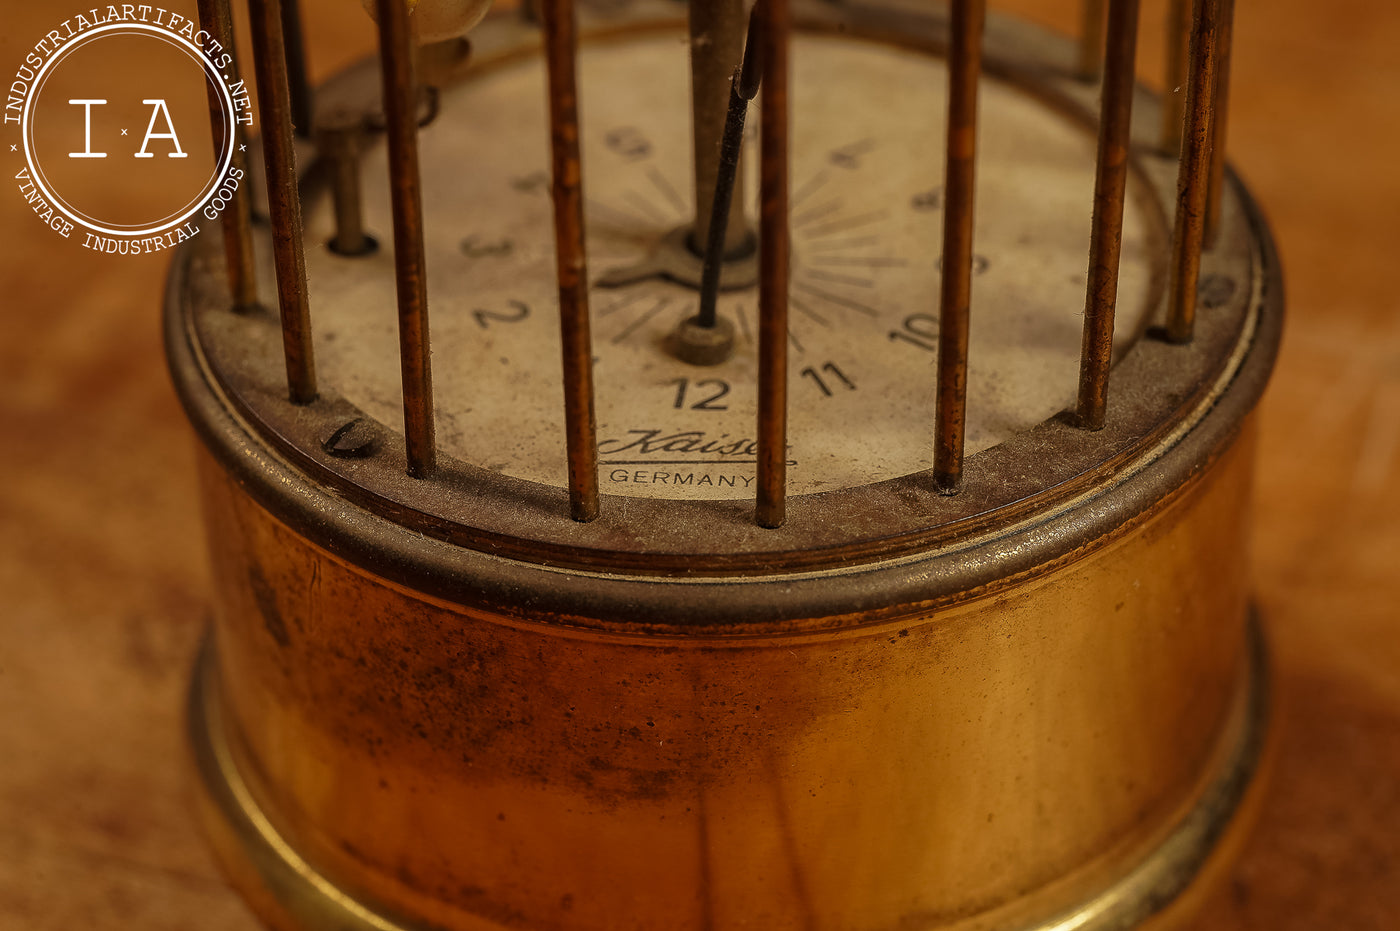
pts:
[1193, 175]
[955, 297]
[774, 253]
[299, 85]
[236, 219]
[1091, 39]
[580, 426]
[410, 267]
[1177, 59]
[1220, 120]
[283, 198]
[1110, 188]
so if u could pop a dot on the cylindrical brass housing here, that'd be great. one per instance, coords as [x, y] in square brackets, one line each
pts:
[1050, 716]
[1011, 755]
[999, 756]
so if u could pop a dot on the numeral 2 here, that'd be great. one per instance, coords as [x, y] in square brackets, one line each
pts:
[519, 311]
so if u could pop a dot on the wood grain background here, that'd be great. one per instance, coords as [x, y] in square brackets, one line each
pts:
[102, 583]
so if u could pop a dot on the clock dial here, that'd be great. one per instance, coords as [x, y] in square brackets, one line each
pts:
[866, 219]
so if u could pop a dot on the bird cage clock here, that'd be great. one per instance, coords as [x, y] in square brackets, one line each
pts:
[726, 465]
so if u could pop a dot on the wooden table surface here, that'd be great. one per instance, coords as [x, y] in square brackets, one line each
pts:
[103, 587]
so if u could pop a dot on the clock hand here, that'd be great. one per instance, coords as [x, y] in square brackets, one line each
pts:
[742, 88]
[705, 339]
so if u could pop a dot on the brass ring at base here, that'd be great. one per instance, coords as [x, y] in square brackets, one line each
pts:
[1160, 892]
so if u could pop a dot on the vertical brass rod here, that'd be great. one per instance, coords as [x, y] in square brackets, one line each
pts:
[300, 86]
[237, 218]
[1220, 120]
[1174, 92]
[774, 247]
[1193, 174]
[560, 41]
[717, 29]
[283, 198]
[955, 297]
[410, 266]
[1091, 39]
[1110, 187]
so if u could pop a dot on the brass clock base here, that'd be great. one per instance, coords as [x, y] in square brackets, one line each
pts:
[1159, 892]
[1038, 705]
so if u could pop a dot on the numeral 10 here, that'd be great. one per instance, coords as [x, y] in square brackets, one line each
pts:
[919, 330]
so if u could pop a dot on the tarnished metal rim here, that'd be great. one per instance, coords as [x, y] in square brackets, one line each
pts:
[289, 894]
[637, 603]
[897, 519]
[662, 592]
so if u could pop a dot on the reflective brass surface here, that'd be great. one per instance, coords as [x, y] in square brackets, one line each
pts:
[990, 764]
[1039, 705]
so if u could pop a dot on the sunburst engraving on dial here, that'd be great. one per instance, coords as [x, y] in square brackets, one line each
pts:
[866, 218]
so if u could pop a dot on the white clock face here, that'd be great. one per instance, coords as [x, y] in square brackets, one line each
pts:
[866, 220]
